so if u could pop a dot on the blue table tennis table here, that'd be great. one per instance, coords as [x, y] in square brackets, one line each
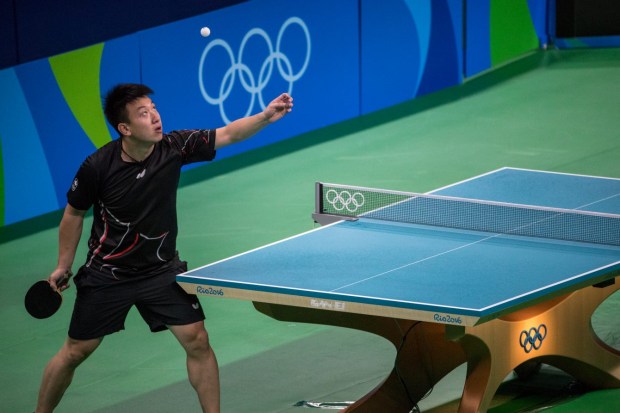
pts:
[502, 271]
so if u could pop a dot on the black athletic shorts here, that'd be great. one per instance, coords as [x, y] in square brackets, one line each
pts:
[101, 308]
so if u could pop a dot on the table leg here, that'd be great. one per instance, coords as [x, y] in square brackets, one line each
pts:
[424, 355]
[557, 332]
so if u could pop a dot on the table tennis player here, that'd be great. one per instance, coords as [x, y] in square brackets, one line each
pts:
[131, 184]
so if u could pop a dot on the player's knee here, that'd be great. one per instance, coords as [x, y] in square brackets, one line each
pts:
[202, 341]
[75, 352]
[193, 337]
[199, 342]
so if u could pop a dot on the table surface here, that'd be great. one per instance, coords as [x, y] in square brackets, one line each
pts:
[454, 276]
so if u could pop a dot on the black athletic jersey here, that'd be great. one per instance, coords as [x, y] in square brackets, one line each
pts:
[134, 216]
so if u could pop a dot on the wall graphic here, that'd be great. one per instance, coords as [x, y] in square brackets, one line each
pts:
[370, 54]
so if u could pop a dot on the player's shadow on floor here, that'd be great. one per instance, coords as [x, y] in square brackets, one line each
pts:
[326, 367]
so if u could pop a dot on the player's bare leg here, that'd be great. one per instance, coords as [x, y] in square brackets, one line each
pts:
[202, 365]
[59, 371]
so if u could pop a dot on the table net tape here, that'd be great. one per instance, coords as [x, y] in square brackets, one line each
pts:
[467, 214]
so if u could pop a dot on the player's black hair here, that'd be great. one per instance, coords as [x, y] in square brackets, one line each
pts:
[116, 100]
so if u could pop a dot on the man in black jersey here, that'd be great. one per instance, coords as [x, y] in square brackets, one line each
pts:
[131, 184]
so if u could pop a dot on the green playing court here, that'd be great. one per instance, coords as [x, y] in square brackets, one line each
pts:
[553, 111]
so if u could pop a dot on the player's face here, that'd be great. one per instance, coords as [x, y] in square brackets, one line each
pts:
[144, 121]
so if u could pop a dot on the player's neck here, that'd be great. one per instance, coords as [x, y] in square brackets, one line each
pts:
[132, 151]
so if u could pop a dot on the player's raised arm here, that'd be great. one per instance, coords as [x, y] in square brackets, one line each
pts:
[244, 128]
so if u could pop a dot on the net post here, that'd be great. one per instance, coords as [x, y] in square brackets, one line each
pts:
[318, 215]
[318, 203]
[318, 197]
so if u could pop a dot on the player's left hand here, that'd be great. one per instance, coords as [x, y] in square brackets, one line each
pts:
[59, 279]
[279, 107]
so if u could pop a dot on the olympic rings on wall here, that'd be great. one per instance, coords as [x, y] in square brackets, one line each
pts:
[254, 83]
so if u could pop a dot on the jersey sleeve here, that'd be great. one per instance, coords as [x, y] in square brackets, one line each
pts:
[82, 193]
[196, 145]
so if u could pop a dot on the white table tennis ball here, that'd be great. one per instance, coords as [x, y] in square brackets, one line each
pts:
[205, 31]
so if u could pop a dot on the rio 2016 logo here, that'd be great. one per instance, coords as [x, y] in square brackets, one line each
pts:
[209, 291]
[253, 83]
[447, 319]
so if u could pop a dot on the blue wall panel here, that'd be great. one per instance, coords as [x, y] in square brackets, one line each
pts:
[256, 51]
[392, 52]
[28, 186]
[408, 48]
[477, 43]
[443, 63]
[64, 143]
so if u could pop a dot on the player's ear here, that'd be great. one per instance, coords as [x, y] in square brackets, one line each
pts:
[124, 130]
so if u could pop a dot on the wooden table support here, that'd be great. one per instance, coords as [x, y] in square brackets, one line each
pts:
[557, 332]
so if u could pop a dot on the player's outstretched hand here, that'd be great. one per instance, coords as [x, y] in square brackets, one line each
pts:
[279, 107]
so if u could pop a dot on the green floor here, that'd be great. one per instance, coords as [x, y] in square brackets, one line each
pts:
[553, 110]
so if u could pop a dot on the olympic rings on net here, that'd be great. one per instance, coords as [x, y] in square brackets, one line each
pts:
[532, 339]
[344, 199]
[251, 83]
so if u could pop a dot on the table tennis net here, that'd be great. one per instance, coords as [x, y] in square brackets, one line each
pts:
[468, 214]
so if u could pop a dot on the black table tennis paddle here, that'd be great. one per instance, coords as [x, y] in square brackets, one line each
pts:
[41, 300]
